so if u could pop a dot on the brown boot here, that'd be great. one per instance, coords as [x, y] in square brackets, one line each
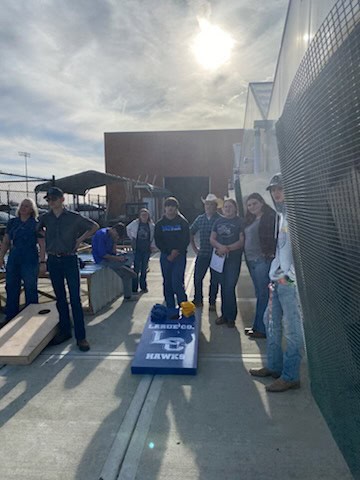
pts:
[263, 372]
[281, 385]
[83, 345]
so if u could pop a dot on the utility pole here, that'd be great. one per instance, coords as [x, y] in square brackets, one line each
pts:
[26, 155]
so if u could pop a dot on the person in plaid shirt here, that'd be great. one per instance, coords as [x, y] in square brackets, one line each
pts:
[203, 224]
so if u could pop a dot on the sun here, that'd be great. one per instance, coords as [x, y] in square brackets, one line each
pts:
[212, 46]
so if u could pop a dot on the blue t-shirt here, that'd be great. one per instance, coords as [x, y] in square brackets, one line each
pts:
[228, 231]
[23, 237]
[102, 244]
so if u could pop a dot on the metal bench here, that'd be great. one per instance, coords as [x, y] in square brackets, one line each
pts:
[102, 286]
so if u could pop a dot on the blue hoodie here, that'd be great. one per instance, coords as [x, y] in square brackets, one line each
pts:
[283, 263]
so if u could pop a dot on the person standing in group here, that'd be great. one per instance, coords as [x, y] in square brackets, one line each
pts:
[283, 317]
[104, 252]
[227, 237]
[141, 233]
[21, 238]
[259, 249]
[64, 231]
[172, 237]
[203, 224]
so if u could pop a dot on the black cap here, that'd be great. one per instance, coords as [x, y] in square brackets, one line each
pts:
[275, 181]
[54, 192]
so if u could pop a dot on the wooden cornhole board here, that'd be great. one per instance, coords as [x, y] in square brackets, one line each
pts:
[26, 335]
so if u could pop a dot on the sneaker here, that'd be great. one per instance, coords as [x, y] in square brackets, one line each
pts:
[212, 307]
[129, 270]
[83, 345]
[263, 372]
[220, 321]
[281, 385]
[231, 324]
[60, 338]
[248, 330]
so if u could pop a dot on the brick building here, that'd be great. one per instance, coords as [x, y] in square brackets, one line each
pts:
[188, 163]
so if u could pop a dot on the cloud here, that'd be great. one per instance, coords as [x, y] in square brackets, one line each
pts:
[74, 70]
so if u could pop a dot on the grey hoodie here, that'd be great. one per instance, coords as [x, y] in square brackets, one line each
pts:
[283, 263]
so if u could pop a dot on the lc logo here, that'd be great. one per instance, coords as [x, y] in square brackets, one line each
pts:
[170, 344]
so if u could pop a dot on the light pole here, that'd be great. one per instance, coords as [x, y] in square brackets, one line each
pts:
[26, 155]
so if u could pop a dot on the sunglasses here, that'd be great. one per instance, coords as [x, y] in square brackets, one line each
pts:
[52, 199]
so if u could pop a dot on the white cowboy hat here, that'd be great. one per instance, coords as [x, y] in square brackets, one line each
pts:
[212, 198]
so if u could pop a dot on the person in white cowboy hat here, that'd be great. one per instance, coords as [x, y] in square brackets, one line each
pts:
[203, 224]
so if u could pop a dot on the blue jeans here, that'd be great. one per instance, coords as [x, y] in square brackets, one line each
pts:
[259, 272]
[141, 262]
[18, 270]
[283, 319]
[173, 279]
[61, 268]
[228, 280]
[202, 264]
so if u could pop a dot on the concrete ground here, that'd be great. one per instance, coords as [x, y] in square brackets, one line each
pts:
[83, 416]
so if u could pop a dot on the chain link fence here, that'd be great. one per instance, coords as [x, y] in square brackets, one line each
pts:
[14, 188]
[319, 148]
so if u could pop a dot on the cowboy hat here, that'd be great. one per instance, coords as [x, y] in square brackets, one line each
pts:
[211, 198]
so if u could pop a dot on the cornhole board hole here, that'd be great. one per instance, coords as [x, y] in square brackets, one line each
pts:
[168, 348]
[26, 335]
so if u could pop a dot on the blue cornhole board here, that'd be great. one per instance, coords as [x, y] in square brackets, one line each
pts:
[170, 347]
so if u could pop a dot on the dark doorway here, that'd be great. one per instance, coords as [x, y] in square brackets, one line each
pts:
[188, 190]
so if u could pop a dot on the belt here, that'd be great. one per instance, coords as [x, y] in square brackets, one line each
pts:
[62, 254]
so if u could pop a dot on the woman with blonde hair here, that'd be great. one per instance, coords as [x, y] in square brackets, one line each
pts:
[227, 238]
[23, 262]
[141, 234]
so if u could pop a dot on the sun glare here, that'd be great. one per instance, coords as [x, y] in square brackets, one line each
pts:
[212, 46]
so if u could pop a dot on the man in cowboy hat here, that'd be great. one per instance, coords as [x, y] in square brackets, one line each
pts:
[203, 224]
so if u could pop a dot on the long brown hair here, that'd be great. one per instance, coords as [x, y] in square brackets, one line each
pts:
[250, 217]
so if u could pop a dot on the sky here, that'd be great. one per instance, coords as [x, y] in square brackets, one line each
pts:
[74, 69]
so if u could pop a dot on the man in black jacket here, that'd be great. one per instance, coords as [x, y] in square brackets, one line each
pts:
[172, 237]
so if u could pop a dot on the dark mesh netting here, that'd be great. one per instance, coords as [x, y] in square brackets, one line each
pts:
[319, 147]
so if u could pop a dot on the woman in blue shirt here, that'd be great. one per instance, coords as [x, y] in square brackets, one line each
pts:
[227, 238]
[23, 262]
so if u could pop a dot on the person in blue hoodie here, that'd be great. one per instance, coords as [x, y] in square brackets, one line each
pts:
[172, 237]
[283, 316]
